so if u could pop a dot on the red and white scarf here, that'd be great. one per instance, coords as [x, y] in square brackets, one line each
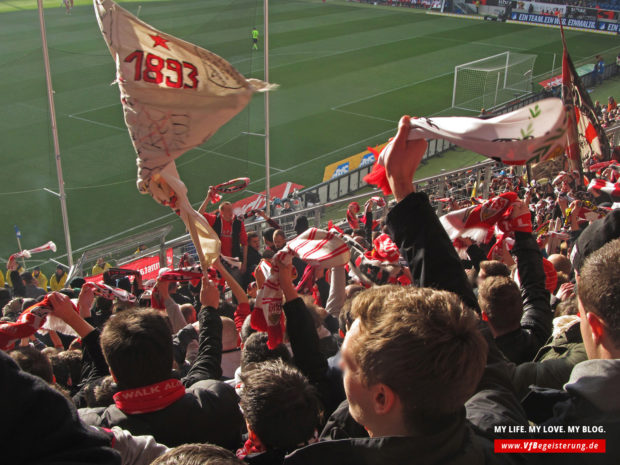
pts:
[600, 185]
[352, 211]
[535, 132]
[317, 248]
[110, 293]
[29, 322]
[385, 251]
[477, 221]
[149, 398]
[42, 248]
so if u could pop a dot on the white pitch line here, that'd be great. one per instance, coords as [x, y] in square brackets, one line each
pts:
[96, 122]
[95, 109]
[364, 116]
[391, 90]
[196, 148]
[236, 158]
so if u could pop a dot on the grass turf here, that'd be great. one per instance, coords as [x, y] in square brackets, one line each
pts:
[347, 72]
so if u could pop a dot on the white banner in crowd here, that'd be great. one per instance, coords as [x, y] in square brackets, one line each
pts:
[536, 132]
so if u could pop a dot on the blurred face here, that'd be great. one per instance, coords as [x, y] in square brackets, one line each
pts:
[279, 241]
[227, 212]
[254, 243]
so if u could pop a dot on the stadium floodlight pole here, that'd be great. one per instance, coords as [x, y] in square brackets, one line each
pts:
[266, 97]
[50, 96]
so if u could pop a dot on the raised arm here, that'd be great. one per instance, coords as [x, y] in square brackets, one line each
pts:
[415, 228]
[205, 202]
[209, 359]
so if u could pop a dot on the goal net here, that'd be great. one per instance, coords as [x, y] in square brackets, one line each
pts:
[492, 81]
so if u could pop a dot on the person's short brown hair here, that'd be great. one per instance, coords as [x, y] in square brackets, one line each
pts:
[599, 287]
[34, 362]
[279, 404]
[500, 298]
[422, 343]
[494, 268]
[198, 454]
[137, 344]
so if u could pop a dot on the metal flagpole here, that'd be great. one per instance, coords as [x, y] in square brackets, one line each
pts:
[18, 236]
[50, 96]
[266, 96]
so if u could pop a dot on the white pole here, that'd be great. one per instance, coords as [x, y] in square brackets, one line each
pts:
[50, 96]
[553, 65]
[497, 88]
[266, 96]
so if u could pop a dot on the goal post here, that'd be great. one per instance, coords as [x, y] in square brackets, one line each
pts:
[492, 81]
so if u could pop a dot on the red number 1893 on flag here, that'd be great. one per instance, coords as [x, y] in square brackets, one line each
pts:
[152, 68]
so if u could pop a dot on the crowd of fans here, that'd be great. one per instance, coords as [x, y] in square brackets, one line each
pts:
[426, 346]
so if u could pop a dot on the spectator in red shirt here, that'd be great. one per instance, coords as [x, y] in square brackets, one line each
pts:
[230, 230]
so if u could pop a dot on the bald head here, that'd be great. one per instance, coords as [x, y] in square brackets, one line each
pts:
[561, 263]
[229, 334]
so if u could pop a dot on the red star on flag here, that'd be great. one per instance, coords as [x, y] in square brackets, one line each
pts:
[159, 41]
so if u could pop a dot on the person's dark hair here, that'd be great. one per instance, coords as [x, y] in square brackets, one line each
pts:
[422, 343]
[345, 319]
[29, 302]
[28, 278]
[67, 367]
[500, 299]
[568, 307]
[68, 292]
[137, 344]
[301, 224]
[268, 234]
[77, 283]
[100, 392]
[198, 454]
[13, 308]
[5, 296]
[226, 309]
[252, 235]
[268, 254]
[599, 287]
[255, 350]
[34, 362]
[279, 404]
[494, 268]
[562, 279]
[246, 329]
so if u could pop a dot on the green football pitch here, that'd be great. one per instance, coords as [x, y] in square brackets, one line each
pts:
[346, 71]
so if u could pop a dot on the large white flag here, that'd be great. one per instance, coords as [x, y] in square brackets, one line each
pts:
[532, 133]
[175, 96]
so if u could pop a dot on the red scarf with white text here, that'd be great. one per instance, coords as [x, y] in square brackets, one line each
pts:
[150, 398]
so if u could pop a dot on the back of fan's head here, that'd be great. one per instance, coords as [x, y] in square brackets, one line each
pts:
[599, 288]
[279, 404]
[423, 344]
[137, 344]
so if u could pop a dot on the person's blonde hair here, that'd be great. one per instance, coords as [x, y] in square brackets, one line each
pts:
[422, 343]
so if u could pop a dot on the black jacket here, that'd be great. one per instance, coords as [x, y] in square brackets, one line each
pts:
[590, 399]
[521, 345]
[208, 412]
[39, 425]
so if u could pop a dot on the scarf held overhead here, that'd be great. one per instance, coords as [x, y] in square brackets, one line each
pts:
[533, 133]
[175, 96]
[317, 248]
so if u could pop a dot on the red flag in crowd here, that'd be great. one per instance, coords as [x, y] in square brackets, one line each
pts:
[586, 137]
